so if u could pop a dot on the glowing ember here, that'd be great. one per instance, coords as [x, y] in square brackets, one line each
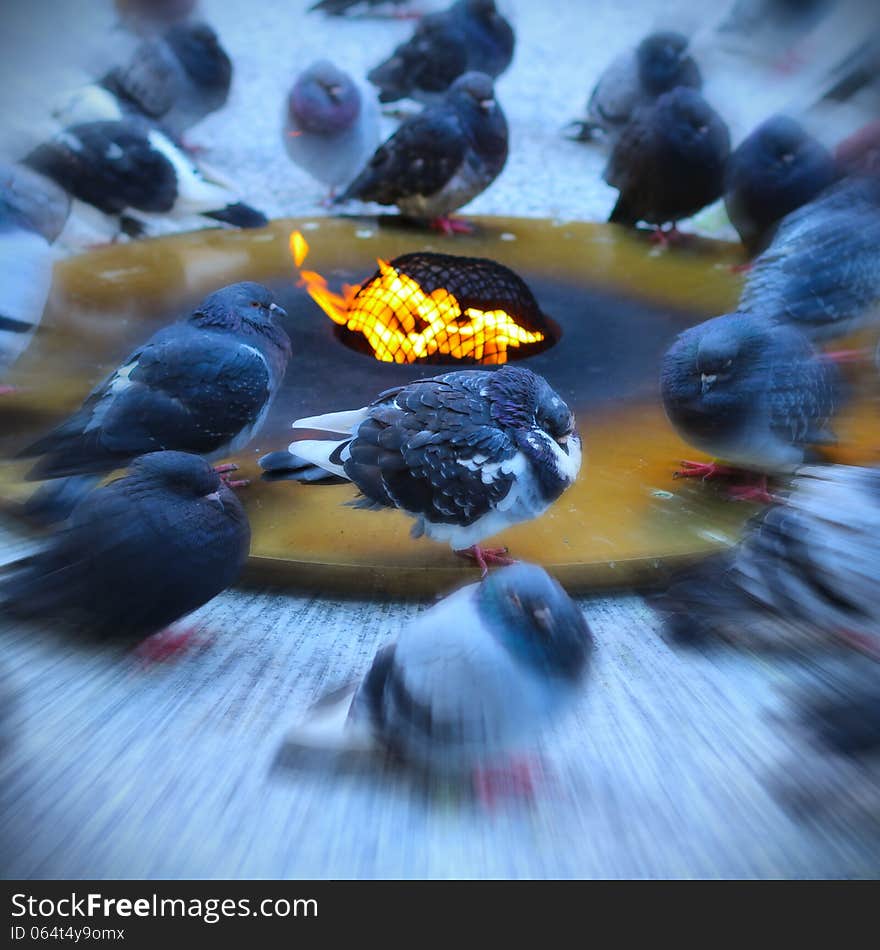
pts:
[402, 323]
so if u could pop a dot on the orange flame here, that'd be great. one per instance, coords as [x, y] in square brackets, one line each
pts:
[403, 324]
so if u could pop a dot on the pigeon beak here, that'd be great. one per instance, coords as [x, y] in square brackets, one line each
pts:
[215, 496]
[487, 105]
[274, 308]
[707, 379]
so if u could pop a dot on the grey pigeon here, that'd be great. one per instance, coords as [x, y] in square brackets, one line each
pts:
[749, 392]
[470, 35]
[821, 273]
[138, 553]
[774, 171]
[203, 385]
[469, 682]
[441, 159]
[136, 177]
[806, 574]
[668, 163]
[635, 79]
[466, 454]
[330, 126]
[33, 212]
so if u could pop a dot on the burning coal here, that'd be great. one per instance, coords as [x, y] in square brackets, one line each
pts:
[430, 306]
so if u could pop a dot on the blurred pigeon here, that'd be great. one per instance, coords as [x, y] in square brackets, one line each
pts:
[821, 273]
[468, 682]
[136, 175]
[138, 553]
[466, 454]
[778, 168]
[173, 80]
[441, 159]
[470, 35]
[33, 212]
[635, 79]
[805, 574]
[203, 385]
[752, 393]
[668, 163]
[330, 127]
[145, 16]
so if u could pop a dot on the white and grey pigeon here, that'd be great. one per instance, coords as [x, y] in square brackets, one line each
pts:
[173, 80]
[805, 575]
[133, 177]
[467, 684]
[821, 273]
[751, 393]
[33, 212]
[440, 159]
[634, 79]
[330, 126]
[470, 35]
[466, 454]
[138, 554]
[203, 385]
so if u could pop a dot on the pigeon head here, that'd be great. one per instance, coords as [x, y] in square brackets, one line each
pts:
[663, 64]
[198, 49]
[690, 125]
[536, 620]
[246, 308]
[473, 93]
[189, 476]
[782, 146]
[324, 99]
[167, 11]
[480, 9]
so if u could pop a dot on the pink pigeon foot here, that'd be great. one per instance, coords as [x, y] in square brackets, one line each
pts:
[704, 470]
[225, 471]
[165, 644]
[486, 556]
[449, 226]
[520, 779]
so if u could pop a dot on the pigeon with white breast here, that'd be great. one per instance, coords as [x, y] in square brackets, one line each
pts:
[466, 454]
[637, 78]
[203, 385]
[668, 162]
[470, 35]
[440, 159]
[131, 176]
[468, 683]
[750, 393]
[33, 212]
[774, 171]
[821, 273]
[330, 126]
[805, 575]
[173, 80]
[137, 554]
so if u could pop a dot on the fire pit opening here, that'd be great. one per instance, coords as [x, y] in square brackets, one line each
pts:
[435, 308]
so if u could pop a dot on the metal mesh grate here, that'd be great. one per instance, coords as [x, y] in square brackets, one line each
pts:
[426, 307]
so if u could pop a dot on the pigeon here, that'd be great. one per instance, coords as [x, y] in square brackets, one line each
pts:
[470, 35]
[172, 80]
[778, 168]
[203, 385]
[330, 127]
[668, 163]
[468, 683]
[33, 212]
[134, 176]
[635, 79]
[804, 576]
[467, 454]
[750, 392]
[138, 553]
[821, 272]
[440, 159]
